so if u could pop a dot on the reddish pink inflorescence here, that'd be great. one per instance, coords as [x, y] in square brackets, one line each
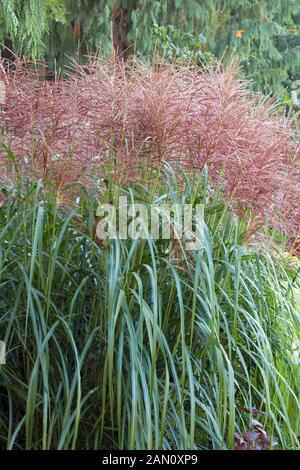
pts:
[109, 117]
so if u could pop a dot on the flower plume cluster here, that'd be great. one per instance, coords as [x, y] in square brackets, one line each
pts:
[108, 118]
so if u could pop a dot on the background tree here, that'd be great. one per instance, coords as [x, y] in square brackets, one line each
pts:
[25, 23]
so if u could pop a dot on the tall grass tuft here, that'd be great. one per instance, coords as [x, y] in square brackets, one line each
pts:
[135, 344]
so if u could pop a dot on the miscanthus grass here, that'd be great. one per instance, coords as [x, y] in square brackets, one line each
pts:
[135, 344]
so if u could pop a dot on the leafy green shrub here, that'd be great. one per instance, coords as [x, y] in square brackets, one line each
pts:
[175, 45]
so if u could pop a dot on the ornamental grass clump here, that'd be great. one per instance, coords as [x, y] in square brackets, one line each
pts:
[133, 344]
[124, 122]
[137, 343]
